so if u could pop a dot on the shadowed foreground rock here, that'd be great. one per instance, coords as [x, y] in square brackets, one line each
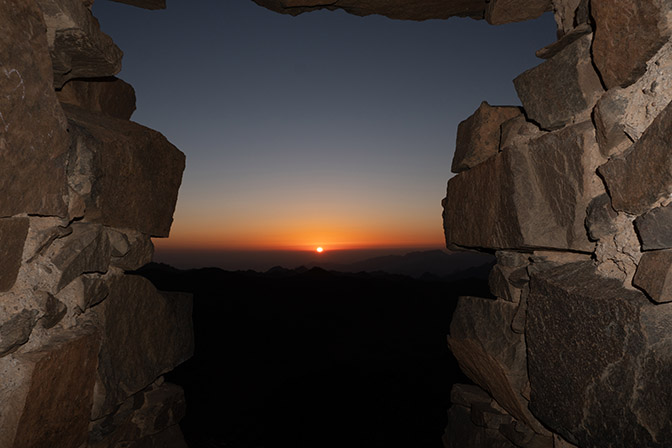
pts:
[613, 362]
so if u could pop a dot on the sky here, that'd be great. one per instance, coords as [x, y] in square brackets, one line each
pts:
[324, 129]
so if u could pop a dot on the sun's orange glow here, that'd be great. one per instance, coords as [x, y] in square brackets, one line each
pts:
[319, 250]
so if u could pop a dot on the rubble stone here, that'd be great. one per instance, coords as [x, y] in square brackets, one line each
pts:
[562, 89]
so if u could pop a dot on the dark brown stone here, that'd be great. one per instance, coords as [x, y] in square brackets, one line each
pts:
[654, 275]
[461, 432]
[600, 218]
[131, 250]
[556, 47]
[562, 88]
[33, 137]
[602, 349]
[627, 35]
[498, 12]
[608, 117]
[630, 180]
[13, 233]
[527, 197]
[50, 393]
[79, 49]
[110, 96]
[478, 136]
[491, 354]
[517, 132]
[16, 330]
[145, 334]
[655, 228]
[54, 310]
[501, 286]
[148, 172]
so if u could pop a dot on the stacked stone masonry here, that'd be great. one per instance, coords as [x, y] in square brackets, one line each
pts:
[571, 192]
[83, 343]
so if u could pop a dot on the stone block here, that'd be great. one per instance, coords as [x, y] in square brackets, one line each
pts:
[527, 197]
[654, 275]
[568, 14]
[600, 218]
[148, 172]
[86, 291]
[145, 334]
[478, 136]
[146, 413]
[627, 35]
[498, 12]
[146, 4]
[562, 89]
[79, 49]
[605, 350]
[491, 354]
[501, 286]
[654, 228]
[110, 96]
[517, 131]
[638, 179]
[556, 47]
[13, 233]
[15, 331]
[130, 250]
[46, 395]
[609, 121]
[33, 137]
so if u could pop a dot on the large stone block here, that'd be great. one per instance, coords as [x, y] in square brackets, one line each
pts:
[654, 228]
[147, 169]
[145, 334]
[13, 233]
[562, 89]
[33, 137]
[79, 49]
[491, 354]
[46, 395]
[643, 175]
[627, 35]
[146, 4]
[533, 196]
[498, 12]
[110, 96]
[654, 275]
[478, 136]
[599, 359]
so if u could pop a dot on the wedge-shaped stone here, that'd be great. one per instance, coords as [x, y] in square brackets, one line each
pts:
[145, 334]
[79, 49]
[498, 12]
[643, 175]
[46, 395]
[532, 196]
[147, 169]
[654, 228]
[654, 275]
[597, 347]
[563, 89]
[111, 96]
[478, 136]
[33, 137]
[491, 354]
[627, 35]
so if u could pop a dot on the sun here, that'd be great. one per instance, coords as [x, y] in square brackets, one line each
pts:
[319, 249]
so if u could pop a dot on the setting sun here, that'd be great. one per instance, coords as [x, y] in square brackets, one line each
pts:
[319, 250]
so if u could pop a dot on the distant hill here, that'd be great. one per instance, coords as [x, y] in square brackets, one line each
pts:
[437, 264]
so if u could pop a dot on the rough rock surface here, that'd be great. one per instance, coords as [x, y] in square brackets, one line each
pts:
[568, 15]
[597, 347]
[527, 197]
[600, 217]
[33, 137]
[654, 275]
[46, 395]
[478, 136]
[619, 252]
[517, 132]
[490, 354]
[629, 178]
[111, 96]
[563, 89]
[130, 250]
[145, 164]
[79, 49]
[13, 233]
[16, 330]
[623, 27]
[498, 12]
[146, 413]
[655, 228]
[145, 334]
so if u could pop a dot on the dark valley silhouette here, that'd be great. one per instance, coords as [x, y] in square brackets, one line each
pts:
[309, 357]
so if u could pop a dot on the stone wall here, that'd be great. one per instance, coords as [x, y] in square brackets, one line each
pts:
[83, 344]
